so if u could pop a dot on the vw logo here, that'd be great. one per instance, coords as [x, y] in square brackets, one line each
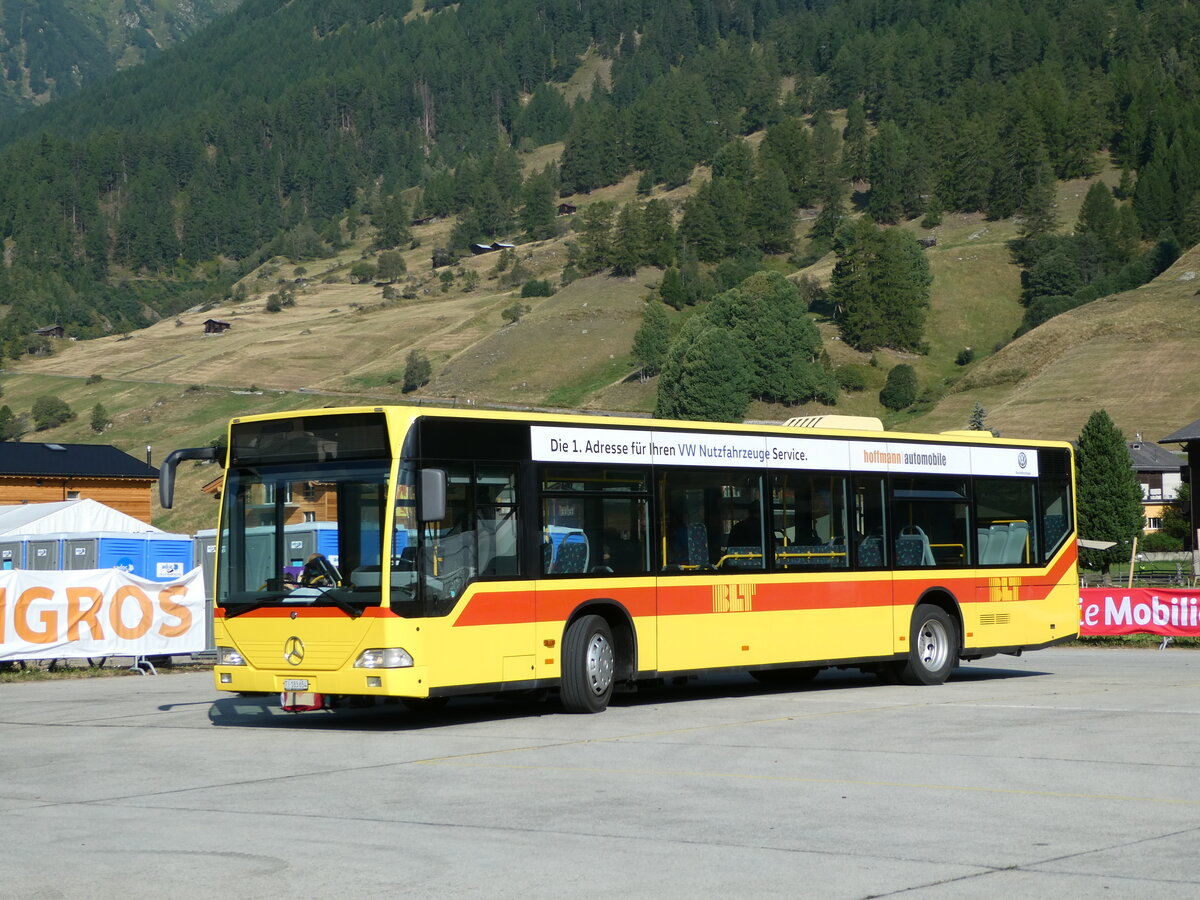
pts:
[293, 651]
[1022, 459]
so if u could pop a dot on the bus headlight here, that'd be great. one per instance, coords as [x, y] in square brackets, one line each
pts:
[385, 658]
[227, 656]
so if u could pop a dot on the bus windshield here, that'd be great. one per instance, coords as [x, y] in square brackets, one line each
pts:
[308, 534]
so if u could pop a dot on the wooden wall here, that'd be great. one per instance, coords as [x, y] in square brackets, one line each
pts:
[129, 495]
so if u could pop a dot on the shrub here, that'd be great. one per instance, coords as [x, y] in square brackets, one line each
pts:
[965, 356]
[850, 378]
[900, 390]
[537, 287]
[513, 312]
[49, 411]
[417, 371]
[1160, 542]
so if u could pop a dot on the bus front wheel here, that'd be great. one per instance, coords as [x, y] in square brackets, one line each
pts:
[588, 665]
[932, 649]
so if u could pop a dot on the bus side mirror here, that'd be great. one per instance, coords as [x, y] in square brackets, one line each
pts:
[433, 495]
[166, 475]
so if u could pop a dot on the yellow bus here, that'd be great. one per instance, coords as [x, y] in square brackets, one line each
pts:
[472, 551]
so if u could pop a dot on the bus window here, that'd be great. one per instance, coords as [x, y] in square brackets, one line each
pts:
[1055, 487]
[496, 512]
[448, 553]
[1004, 521]
[870, 549]
[595, 521]
[929, 521]
[712, 520]
[809, 521]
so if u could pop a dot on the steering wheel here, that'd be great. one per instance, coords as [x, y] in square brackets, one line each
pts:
[319, 572]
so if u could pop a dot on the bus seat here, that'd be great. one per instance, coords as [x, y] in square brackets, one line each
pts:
[805, 555]
[983, 536]
[743, 558]
[572, 556]
[912, 547]
[996, 546]
[1018, 538]
[1054, 528]
[870, 552]
[697, 544]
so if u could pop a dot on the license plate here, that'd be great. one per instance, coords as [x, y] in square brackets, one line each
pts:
[295, 684]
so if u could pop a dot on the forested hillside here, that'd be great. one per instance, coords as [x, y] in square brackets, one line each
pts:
[52, 48]
[295, 129]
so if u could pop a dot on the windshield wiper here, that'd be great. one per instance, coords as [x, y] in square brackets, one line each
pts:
[344, 605]
[257, 603]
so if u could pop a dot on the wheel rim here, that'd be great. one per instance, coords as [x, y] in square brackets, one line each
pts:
[933, 644]
[599, 664]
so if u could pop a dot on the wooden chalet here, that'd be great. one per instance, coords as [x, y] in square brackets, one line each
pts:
[303, 501]
[52, 331]
[47, 473]
[215, 326]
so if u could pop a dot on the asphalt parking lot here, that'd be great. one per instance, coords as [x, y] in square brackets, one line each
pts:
[1070, 772]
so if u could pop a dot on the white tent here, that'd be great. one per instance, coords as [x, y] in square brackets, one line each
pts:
[68, 516]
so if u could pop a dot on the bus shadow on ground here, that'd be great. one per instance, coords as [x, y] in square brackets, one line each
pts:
[263, 711]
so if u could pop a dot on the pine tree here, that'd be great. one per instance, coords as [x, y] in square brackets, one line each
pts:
[658, 234]
[704, 376]
[772, 212]
[651, 339]
[1109, 497]
[592, 252]
[855, 154]
[537, 209]
[889, 167]
[880, 287]
[391, 223]
[671, 288]
[978, 417]
[628, 248]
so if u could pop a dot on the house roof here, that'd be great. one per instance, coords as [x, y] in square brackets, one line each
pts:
[70, 460]
[1183, 435]
[1147, 457]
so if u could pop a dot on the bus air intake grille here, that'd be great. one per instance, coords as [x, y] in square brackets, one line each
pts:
[319, 655]
[994, 618]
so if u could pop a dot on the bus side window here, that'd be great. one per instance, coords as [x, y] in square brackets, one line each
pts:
[496, 515]
[869, 546]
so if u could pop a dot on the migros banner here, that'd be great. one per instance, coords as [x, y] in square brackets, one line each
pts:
[1108, 611]
[98, 612]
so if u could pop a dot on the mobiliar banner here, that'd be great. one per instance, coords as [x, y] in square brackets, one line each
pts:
[98, 612]
[1139, 611]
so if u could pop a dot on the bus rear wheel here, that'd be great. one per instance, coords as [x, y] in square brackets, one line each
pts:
[588, 665]
[932, 647]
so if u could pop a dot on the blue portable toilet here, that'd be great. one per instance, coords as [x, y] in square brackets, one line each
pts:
[168, 556]
[122, 551]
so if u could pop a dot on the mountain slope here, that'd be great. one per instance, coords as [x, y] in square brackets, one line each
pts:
[1133, 354]
[52, 48]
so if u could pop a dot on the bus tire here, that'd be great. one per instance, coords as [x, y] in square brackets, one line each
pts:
[932, 647]
[588, 665]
